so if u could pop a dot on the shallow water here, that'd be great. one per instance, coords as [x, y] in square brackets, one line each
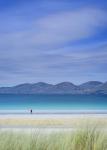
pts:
[53, 103]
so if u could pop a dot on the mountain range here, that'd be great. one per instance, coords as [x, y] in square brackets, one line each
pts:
[91, 87]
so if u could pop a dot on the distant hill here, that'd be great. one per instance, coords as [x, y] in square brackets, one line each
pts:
[101, 89]
[90, 84]
[64, 87]
[91, 87]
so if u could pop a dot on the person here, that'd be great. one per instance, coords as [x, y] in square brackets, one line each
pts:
[31, 111]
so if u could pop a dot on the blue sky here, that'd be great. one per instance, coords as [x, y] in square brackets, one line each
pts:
[53, 41]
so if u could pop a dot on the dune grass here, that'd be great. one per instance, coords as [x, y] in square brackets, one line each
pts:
[85, 139]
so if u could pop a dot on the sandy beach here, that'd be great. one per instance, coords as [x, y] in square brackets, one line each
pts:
[65, 121]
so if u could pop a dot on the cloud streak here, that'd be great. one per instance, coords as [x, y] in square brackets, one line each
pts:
[70, 26]
[58, 28]
[53, 46]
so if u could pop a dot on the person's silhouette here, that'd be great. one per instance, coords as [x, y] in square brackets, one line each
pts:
[31, 111]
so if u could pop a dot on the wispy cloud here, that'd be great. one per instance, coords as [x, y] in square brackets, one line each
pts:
[59, 43]
[59, 28]
[70, 26]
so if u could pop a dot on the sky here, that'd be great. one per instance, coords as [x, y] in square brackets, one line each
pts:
[53, 41]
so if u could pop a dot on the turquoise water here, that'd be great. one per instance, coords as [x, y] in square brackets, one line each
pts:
[53, 102]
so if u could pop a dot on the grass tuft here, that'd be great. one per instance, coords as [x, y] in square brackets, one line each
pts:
[85, 139]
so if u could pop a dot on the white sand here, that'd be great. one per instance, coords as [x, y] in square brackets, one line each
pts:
[51, 116]
[48, 123]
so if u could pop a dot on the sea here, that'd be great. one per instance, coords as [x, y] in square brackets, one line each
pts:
[16, 103]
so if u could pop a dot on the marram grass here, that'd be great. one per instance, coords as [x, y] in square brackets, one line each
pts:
[85, 139]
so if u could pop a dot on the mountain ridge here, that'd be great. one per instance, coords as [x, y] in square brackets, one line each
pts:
[90, 87]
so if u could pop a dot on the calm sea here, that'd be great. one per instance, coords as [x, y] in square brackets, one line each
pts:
[53, 102]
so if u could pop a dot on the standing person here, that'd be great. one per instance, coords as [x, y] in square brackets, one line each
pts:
[31, 111]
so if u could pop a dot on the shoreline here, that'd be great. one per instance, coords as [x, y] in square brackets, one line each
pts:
[53, 115]
[53, 112]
